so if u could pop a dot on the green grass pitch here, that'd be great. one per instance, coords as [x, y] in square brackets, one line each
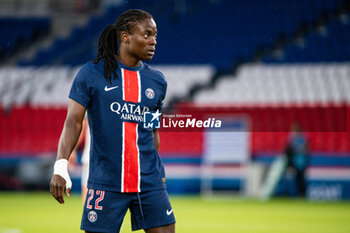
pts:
[40, 213]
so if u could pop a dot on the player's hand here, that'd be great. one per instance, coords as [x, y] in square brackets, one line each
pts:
[60, 180]
[57, 186]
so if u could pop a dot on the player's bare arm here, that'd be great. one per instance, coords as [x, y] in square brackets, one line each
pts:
[156, 139]
[73, 157]
[68, 140]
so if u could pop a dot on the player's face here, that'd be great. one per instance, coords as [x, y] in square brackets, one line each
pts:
[142, 39]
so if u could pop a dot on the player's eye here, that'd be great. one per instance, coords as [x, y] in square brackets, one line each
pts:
[147, 35]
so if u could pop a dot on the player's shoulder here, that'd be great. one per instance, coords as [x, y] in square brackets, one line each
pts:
[155, 73]
[96, 67]
[89, 70]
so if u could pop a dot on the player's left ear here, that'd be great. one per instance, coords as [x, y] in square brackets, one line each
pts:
[124, 37]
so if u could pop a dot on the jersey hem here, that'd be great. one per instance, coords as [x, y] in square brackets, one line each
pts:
[78, 100]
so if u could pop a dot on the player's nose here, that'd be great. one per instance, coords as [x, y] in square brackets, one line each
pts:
[153, 40]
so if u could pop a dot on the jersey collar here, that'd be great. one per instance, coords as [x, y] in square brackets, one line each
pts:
[137, 68]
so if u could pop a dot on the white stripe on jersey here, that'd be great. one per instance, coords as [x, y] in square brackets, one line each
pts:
[139, 83]
[122, 72]
[138, 159]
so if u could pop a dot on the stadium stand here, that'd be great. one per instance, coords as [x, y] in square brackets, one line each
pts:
[328, 45]
[15, 33]
[78, 47]
[248, 25]
[281, 85]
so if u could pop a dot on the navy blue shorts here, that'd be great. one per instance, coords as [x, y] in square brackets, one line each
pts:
[104, 211]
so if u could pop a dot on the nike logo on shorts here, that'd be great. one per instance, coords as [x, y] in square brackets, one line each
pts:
[110, 88]
[168, 212]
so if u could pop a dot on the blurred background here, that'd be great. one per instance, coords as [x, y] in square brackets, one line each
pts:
[265, 65]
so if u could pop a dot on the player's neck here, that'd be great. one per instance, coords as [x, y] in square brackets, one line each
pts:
[128, 60]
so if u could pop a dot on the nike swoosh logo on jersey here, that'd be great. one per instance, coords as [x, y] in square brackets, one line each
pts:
[110, 88]
[168, 212]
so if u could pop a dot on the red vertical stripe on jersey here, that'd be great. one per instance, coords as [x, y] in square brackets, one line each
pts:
[131, 165]
[131, 86]
[131, 159]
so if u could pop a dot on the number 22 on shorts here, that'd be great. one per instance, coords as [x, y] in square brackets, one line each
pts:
[101, 195]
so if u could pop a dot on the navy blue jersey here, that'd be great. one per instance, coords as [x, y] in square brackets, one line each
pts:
[123, 157]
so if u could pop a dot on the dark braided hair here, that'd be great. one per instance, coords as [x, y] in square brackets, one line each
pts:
[108, 41]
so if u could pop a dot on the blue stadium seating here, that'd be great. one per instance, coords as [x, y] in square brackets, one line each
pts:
[330, 46]
[17, 32]
[186, 37]
[79, 47]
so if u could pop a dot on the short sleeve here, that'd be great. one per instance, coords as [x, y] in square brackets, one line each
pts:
[163, 94]
[80, 90]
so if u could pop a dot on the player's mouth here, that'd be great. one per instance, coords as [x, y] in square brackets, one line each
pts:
[150, 52]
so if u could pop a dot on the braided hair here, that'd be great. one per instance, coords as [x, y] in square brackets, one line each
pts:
[108, 42]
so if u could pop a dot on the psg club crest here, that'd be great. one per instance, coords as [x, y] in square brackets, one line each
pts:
[151, 120]
[92, 216]
[149, 93]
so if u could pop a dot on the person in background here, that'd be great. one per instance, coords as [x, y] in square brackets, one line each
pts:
[298, 159]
